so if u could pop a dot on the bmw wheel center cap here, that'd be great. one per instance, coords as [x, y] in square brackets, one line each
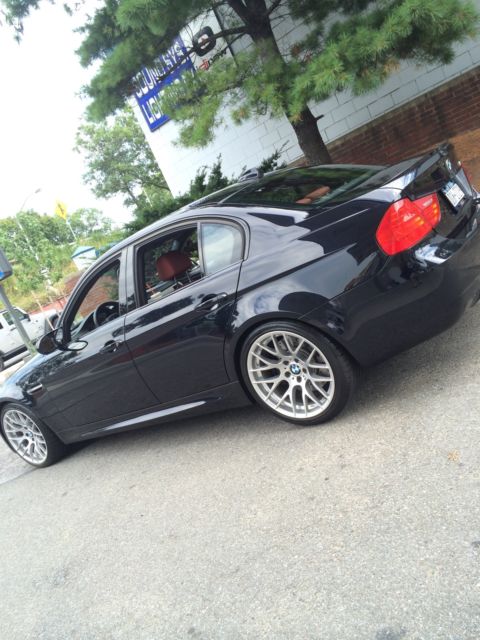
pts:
[295, 368]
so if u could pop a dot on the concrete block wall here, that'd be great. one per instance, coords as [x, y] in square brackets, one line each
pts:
[445, 113]
[248, 144]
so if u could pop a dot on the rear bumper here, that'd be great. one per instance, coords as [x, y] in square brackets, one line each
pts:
[417, 295]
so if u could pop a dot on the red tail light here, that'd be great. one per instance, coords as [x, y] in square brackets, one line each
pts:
[407, 222]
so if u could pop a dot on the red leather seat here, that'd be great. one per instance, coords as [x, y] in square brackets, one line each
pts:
[172, 265]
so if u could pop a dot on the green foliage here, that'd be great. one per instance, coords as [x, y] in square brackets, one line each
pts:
[207, 181]
[119, 160]
[352, 44]
[358, 50]
[33, 242]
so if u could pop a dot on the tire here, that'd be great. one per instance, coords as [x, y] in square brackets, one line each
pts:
[29, 437]
[296, 373]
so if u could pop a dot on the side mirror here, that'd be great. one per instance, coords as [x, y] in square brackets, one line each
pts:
[47, 344]
[53, 341]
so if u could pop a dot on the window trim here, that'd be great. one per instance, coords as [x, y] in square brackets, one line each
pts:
[137, 247]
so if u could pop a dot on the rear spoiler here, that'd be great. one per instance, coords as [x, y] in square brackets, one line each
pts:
[410, 169]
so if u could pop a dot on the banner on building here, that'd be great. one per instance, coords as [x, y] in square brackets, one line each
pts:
[194, 49]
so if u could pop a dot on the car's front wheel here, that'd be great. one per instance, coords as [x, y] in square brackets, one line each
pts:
[29, 437]
[299, 374]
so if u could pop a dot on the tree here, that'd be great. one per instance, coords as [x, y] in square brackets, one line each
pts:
[49, 246]
[207, 181]
[119, 161]
[352, 44]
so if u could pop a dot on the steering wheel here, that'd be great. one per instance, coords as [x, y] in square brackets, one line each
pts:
[105, 312]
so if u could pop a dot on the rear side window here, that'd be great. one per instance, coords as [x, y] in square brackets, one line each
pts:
[222, 245]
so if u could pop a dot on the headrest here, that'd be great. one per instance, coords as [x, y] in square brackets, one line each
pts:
[172, 264]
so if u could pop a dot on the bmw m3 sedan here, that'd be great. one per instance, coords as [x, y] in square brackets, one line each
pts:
[274, 290]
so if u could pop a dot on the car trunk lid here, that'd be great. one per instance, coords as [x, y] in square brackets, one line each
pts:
[440, 172]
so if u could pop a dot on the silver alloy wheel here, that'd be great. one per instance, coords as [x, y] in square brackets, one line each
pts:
[24, 436]
[290, 374]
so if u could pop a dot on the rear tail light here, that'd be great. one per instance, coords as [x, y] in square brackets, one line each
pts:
[407, 222]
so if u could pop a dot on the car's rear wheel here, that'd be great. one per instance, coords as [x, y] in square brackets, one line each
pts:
[297, 373]
[29, 437]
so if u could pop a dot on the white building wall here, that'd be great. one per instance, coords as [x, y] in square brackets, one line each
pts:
[245, 146]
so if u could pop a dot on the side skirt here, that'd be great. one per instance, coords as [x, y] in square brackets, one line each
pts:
[227, 396]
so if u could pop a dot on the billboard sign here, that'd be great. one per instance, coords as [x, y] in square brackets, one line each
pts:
[203, 49]
[148, 85]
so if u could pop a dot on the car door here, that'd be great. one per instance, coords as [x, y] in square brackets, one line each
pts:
[185, 287]
[95, 378]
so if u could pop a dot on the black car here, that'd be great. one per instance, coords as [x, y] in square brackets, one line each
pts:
[274, 290]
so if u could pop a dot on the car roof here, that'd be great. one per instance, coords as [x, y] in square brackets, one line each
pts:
[230, 201]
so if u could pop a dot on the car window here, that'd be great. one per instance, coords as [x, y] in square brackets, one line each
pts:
[7, 318]
[99, 303]
[307, 188]
[168, 263]
[222, 245]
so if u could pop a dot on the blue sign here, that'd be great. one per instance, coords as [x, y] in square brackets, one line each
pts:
[148, 87]
[5, 267]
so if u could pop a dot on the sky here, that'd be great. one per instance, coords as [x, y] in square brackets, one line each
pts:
[40, 110]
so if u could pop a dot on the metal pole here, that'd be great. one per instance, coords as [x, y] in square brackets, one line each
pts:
[17, 321]
[71, 230]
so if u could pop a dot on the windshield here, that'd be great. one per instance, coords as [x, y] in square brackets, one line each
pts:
[307, 188]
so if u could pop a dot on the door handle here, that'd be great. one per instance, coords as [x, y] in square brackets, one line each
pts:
[110, 347]
[210, 302]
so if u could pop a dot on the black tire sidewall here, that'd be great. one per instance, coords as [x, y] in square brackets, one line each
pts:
[341, 364]
[55, 448]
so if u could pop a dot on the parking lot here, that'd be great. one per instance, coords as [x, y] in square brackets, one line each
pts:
[238, 525]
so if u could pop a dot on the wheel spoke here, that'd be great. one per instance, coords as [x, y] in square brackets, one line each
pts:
[320, 379]
[305, 403]
[264, 360]
[268, 350]
[282, 398]
[273, 389]
[317, 366]
[319, 389]
[266, 368]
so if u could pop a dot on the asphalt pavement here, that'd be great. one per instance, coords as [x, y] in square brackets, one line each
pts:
[240, 526]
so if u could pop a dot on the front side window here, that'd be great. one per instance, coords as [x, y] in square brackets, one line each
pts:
[168, 263]
[222, 245]
[99, 303]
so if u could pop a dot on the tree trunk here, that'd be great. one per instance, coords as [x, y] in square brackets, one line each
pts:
[256, 18]
[310, 139]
